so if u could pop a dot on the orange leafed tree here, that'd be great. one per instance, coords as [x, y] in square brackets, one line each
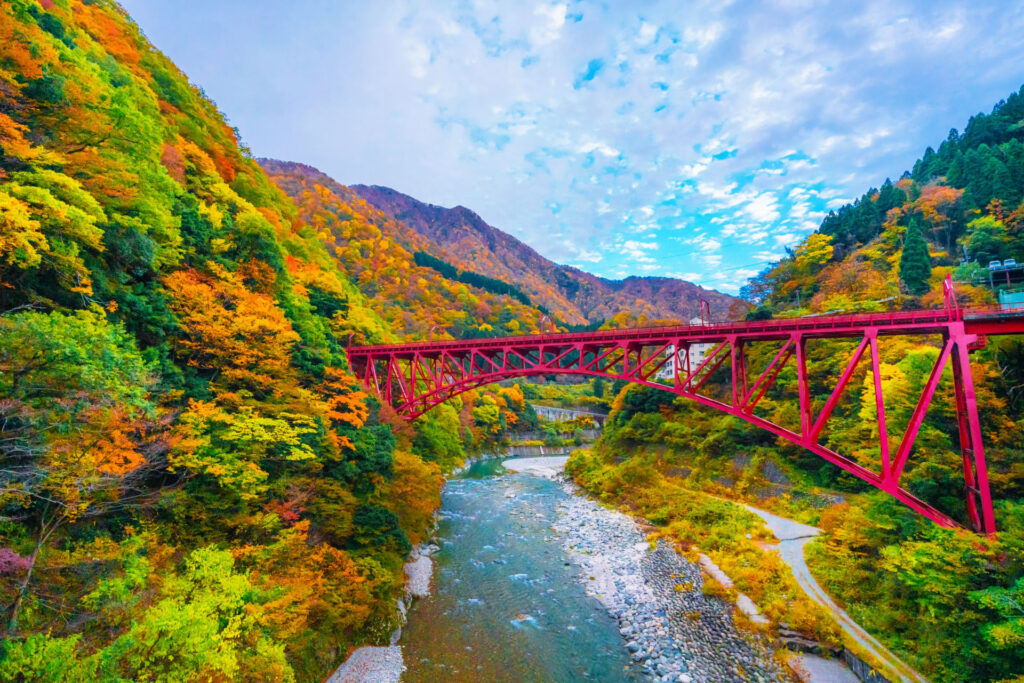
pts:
[230, 329]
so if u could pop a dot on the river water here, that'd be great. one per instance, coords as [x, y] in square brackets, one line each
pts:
[506, 603]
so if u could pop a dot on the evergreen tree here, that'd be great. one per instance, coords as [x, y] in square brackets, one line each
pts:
[923, 167]
[1003, 186]
[915, 264]
[955, 175]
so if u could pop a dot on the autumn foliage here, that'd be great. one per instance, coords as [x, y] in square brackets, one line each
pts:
[194, 487]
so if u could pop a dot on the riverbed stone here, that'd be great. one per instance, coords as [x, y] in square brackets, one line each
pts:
[679, 634]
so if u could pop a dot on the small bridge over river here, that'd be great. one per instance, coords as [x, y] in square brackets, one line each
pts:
[555, 414]
[414, 377]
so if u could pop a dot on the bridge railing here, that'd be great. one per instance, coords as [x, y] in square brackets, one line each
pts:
[995, 310]
[781, 325]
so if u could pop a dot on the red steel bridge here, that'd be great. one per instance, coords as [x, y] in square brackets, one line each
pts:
[414, 377]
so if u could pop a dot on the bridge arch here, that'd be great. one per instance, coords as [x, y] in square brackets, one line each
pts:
[415, 377]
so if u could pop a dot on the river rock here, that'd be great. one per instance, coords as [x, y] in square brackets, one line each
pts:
[678, 635]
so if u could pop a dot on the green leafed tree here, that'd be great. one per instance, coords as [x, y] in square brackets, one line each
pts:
[1006, 632]
[986, 239]
[75, 397]
[915, 263]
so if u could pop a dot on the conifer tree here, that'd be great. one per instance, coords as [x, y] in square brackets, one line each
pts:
[915, 263]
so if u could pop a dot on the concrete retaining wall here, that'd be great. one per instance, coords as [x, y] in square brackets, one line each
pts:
[862, 669]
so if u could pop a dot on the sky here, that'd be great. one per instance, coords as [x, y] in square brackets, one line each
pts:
[685, 139]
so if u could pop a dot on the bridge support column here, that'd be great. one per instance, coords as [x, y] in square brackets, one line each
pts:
[802, 387]
[972, 450]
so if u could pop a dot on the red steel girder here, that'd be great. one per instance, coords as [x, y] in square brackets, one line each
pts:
[417, 376]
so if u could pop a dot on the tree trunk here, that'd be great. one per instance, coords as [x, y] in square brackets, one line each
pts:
[44, 535]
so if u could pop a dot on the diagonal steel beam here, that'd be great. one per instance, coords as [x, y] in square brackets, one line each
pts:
[910, 435]
[767, 378]
[834, 397]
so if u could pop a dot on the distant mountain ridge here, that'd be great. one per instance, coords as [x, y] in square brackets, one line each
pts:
[570, 293]
[383, 257]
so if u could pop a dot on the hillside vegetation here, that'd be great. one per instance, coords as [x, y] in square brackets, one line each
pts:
[193, 485]
[379, 255]
[948, 602]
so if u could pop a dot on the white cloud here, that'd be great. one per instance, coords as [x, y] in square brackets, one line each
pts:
[740, 123]
[552, 20]
[632, 244]
[588, 255]
[419, 58]
[599, 147]
[647, 33]
[702, 36]
[690, 171]
[763, 207]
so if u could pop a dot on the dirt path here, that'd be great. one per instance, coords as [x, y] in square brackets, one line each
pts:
[793, 536]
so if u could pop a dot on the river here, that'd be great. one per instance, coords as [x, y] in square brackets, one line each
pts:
[507, 602]
[533, 582]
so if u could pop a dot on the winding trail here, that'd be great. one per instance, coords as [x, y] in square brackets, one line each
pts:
[793, 536]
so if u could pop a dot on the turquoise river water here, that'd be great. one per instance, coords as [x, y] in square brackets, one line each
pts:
[506, 605]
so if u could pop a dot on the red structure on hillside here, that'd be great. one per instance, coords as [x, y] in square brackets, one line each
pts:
[417, 376]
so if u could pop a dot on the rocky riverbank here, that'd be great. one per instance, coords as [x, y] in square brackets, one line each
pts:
[385, 664]
[670, 626]
[672, 630]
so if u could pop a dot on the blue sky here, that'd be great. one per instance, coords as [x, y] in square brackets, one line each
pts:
[689, 139]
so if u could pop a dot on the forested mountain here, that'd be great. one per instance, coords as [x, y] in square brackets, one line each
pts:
[947, 601]
[964, 199]
[378, 254]
[193, 486]
[573, 295]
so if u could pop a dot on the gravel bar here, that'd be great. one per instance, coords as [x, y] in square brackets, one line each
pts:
[673, 630]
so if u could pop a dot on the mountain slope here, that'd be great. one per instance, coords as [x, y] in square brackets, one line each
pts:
[378, 255]
[193, 486]
[573, 295]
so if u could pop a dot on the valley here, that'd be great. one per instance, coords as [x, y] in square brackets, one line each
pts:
[239, 398]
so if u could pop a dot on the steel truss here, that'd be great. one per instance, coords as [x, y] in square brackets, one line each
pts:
[416, 377]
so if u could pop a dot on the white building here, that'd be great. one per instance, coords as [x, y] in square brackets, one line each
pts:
[696, 353]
